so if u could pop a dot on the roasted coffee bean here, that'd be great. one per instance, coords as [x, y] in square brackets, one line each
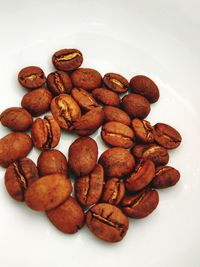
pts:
[113, 191]
[144, 86]
[166, 136]
[65, 111]
[116, 114]
[165, 176]
[68, 217]
[19, 175]
[106, 97]
[59, 82]
[141, 177]
[14, 146]
[83, 153]
[140, 205]
[16, 119]
[86, 78]
[143, 130]
[52, 161]
[136, 106]
[117, 134]
[89, 122]
[48, 192]
[88, 189]
[115, 82]
[117, 162]
[37, 102]
[67, 59]
[107, 222]
[158, 154]
[45, 133]
[84, 99]
[31, 77]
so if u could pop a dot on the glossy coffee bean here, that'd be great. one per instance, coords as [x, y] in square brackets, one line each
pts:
[31, 77]
[165, 176]
[115, 82]
[143, 130]
[140, 205]
[16, 119]
[141, 177]
[59, 82]
[106, 97]
[116, 114]
[67, 59]
[107, 222]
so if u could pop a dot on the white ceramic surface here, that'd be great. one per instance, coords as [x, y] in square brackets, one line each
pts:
[158, 38]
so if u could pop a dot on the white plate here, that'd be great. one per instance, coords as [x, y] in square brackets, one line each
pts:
[158, 38]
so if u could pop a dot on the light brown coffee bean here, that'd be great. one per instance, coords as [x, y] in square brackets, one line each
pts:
[31, 77]
[59, 82]
[143, 130]
[106, 96]
[116, 114]
[165, 176]
[116, 82]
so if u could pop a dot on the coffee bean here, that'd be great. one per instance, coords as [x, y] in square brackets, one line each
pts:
[86, 78]
[116, 114]
[165, 176]
[68, 217]
[136, 106]
[141, 177]
[83, 153]
[37, 102]
[19, 175]
[116, 82]
[67, 59]
[113, 191]
[88, 189]
[45, 133]
[48, 192]
[117, 162]
[52, 161]
[16, 119]
[143, 130]
[117, 134]
[106, 97]
[140, 205]
[107, 222]
[14, 146]
[144, 86]
[167, 136]
[59, 82]
[31, 77]
[65, 111]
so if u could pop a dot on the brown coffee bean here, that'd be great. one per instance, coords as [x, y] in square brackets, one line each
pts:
[31, 77]
[107, 222]
[86, 78]
[14, 146]
[89, 122]
[113, 191]
[136, 105]
[117, 134]
[68, 217]
[117, 162]
[84, 99]
[165, 176]
[166, 136]
[48, 192]
[88, 189]
[37, 102]
[67, 59]
[143, 130]
[106, 96]
[19, 175]
[45, 133]
[144, 86]
[140, 204]
[158, 154]
[16, 119]
[65, 111]
[83, 153]
[116, 82]
[59, 82]
[141, 177]
[52, 161]
[116, 114]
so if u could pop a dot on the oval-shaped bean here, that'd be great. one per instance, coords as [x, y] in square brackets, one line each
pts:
[165, 176]
[31, 77]
[116, 82]
[143, 130]
[106, 97]
[116, 114]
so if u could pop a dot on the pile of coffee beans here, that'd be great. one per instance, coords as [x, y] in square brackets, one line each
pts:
[122, 183]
